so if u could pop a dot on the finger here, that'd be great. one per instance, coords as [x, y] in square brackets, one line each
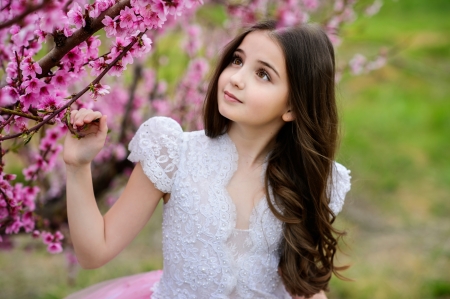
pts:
[79, 117]
[72, 116]
[92, 116]
[103, 127]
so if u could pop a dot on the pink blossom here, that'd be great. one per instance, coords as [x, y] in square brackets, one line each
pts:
[28, 100]
[91, 46]
[154, 20]
[162, 87]
[3, 212]
[49, 18]
[99, 90]
[33, 85]
[357, 64]
[61, 78]
[311, 4]
[59, 236]
[110, 25]
[374, 8]
[339, 5]
[9, 177]
[46, 90]
[8, 96]
[149, 79]
[36, 234]
[28, 221]
[47, 237]
[50, 103]
[159, 8]
[30, 68]
[192, 3]
[54, 248]
[97, 66]
[14, 29]
[21, 38]
[175, 7]
[76, 17]
[74, 56]
[92, 9]
[142, 47]
[162, 107]
[41, 35]
[14, 227]
[127, 18]
[29, 172]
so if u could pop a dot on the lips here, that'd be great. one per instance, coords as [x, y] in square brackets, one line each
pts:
[231, 97]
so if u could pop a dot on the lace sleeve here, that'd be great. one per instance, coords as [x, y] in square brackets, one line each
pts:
[156, 146]
[338, 187]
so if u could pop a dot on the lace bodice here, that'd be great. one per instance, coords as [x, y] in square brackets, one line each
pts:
[204, 255]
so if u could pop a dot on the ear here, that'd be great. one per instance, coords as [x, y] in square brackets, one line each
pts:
[288, 116]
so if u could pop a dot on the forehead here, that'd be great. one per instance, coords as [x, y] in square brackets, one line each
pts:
[261, 46]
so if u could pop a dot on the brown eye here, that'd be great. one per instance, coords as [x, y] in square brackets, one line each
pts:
[236, 60]
[263, 74]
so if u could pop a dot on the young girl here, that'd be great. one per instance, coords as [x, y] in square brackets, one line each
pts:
[249, 202]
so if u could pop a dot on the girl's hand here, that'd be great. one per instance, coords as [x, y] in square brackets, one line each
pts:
[79, 152]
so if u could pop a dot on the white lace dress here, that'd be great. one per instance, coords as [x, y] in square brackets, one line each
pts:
[205, 256]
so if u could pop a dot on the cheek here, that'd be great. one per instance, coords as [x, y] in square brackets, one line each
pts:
[222, 80]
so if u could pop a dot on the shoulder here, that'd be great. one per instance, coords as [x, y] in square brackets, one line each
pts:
[161, 125]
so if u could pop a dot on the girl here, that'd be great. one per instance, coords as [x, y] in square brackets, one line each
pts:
[249, 202]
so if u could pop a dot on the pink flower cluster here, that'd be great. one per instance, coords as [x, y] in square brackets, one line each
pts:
[53, 241]
[359, 64]
[44, 160]
[17, 203]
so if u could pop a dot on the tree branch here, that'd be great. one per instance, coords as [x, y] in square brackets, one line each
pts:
[78, 95]
[52, 58]
[26, 115]
[6, 122]
[28, 11]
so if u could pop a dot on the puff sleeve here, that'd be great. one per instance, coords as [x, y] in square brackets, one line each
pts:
[338, 186]
[156, 145]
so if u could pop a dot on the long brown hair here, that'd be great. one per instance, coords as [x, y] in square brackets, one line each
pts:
[300, 164]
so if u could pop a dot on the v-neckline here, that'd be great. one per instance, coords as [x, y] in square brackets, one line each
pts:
[233, 170]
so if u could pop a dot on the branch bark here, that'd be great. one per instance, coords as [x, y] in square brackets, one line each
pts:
[26, 115]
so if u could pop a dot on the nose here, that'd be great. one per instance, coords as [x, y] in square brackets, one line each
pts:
[237, 79]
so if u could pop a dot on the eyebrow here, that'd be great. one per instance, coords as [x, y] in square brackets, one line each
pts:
[262, 62]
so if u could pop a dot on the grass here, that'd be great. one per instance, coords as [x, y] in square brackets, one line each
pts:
[396, 130]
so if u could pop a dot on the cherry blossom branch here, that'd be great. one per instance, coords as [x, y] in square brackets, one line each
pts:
[28, 11]
[104, 55]
[52, 58]
[78, 95]
[6, 122]
[8, 5]
[26, 115]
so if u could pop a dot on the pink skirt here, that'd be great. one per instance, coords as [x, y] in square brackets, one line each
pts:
[137, 286]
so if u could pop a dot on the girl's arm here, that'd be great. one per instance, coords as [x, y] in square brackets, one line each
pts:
[96, 238]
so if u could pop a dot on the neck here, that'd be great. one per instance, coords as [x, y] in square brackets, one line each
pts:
[252, 145]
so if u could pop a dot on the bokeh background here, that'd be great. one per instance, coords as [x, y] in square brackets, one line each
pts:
[395, 140]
